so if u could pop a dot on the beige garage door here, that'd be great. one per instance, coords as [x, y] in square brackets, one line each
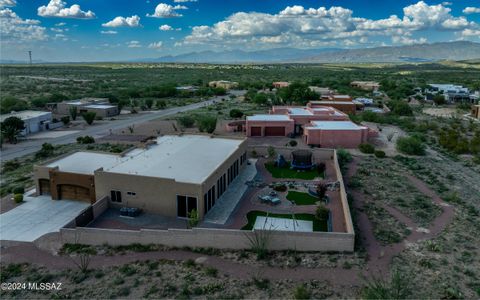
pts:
[73, 192]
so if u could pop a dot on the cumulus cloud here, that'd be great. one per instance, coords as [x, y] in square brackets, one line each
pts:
[133, 21]
[108, 32]
[133, 44]
[57, 8]
[164, 10]
[165, 27]
[311, 27]
[471, 10]
[157, 45]
[183, 1]
[60, 24]
[59, 29]
[471, 33]
[16, 29]
[8, 3]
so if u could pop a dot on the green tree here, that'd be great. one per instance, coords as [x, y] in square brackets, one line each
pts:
[161, 104]
[11, 128]
[89, 117]
[73, 111]
[186, 121]
[236, 113]
[9, 104]
[260, 98]
[149, 103]
[207, 123]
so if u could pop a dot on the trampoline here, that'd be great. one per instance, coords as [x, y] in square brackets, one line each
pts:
[302, 160]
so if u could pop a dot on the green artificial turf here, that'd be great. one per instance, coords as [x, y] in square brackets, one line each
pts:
[286, 172]
[318, 225]
[300, 198]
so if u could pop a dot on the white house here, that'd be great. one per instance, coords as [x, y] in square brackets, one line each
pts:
[35, 121]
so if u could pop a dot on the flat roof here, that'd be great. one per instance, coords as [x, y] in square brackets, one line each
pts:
[268, 118]
[300, 112]
[100, 106]
[188, 158]
[25, 114]
[334, 125]
[86, 162]
[335, 102]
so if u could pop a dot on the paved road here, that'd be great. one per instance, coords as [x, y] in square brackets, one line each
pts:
[32, 146]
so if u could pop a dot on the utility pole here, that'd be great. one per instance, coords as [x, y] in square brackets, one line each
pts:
[30, 56]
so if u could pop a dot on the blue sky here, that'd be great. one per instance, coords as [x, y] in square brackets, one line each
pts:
[86, 30]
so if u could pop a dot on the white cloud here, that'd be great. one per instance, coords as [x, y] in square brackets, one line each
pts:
[299, 26]
[133, 44]
[17, 30]
[8, 3]
[59, 29]
[164, 10]
[165, 27]
[471, 33]
[57, 8]
[60, 24]
[184, 1]
[108, 32]
[157, 45]
[133, 21]
[471, 10]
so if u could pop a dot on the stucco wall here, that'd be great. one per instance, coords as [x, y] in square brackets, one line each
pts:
[336, 138]
[210, 238]
[289, 126]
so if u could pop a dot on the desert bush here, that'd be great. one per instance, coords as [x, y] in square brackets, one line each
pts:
[65, 120]
[207, 123]
[18, 190]
[380, 153]
[397, 287]
[344, 157]
[46, 151]
[322, 212]
[186, 121]
[321, 167]
[366, 148]
[411, 146]
[236, 113]
[301, 293]
[73, 111]
[271, 151]
[321, 190]
[293, 143]
[89, 117]
[18, 198]
[85, 139]
[280, 188]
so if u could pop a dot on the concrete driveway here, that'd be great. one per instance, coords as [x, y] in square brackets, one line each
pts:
[38, 216]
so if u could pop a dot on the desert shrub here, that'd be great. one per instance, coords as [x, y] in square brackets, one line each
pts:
[18, 198]
[271, 151]
[254, 153]
[366, 148]
[322, 212]
[65, 120]
[411, 146]
[11, 165]
[344, 157]
[301, 292]
[321, 190]
[236, 113]
[73, 111]
[207, 123]
[380, 153]
[46, 151]
[398, 287]
[293, 143]
[18, 190]
[321, 167]
[85, 139]
[89, 117]
[186, 121]
[280, 188]
[149, 103]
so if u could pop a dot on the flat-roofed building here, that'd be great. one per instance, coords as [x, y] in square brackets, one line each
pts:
[347, 106]
[335, 134]
[269, 125]
[280, 84]
[366, 85]
[228, 85]
[173, 177]
[322, 91]
[34, 121]
[100, 106]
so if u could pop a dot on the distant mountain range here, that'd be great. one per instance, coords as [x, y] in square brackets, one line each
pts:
[461, 50]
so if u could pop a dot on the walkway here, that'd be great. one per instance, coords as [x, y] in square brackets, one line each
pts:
[226, 204]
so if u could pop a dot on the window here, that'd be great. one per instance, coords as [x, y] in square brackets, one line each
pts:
[131, 193]
[115, 196]
[185, 205]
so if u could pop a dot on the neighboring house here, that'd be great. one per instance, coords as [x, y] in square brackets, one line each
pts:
[172, 177]
[35, 121]
[100, 106]
[187, 88]
[365, 85]
[452, 93]
[334, 134]
[364, 101]
[476, 111]
[346, 106]
[223, 84]
[280, 84]
[322, 91]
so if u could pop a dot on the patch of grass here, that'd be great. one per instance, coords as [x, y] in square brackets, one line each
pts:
[210, 271]
[286, 172]
[300, 198]
[318, 225]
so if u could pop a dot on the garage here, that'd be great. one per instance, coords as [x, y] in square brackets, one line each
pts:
[256, 131]
[73, 192]
[44, 185]
[274, 131]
